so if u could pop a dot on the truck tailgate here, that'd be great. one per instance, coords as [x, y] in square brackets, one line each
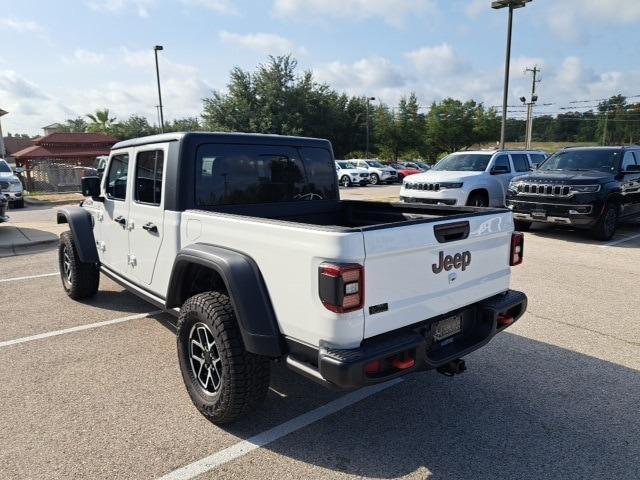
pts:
[412, 275]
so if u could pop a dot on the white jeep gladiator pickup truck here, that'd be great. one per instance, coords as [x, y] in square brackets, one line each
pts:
[245, 239]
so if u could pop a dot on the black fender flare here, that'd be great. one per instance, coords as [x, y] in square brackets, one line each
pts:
[247, 292]
[81, 225]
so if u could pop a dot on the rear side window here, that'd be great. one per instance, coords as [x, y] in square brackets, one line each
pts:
[116, 183]
[502, 161]
[249, 174]
[537, 158]
[148, 186]
[520, 162]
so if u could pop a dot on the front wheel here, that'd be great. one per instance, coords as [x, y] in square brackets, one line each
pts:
[374, 179]
[605, 228]
[224, 380]
[79, 280]
[478, 200]
[345, 181]
[18, 203]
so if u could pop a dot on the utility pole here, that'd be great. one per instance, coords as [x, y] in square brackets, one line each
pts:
[534, 98]
[369, 99]
[604, 131]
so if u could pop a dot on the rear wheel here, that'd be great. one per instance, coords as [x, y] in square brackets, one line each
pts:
[605, 228]
[79, 280]
[345, 181]
[374, 179]
[478, 199]
[522, 226]
[224, 380]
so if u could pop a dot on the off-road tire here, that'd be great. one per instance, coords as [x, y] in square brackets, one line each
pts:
[522, 226]
[374, 179]
[478, 200]
[244, 380]
[605, 228]
[79, 280]
[345, 181]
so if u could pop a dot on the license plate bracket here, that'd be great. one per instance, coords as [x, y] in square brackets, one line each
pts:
[447, 327]
[542, 214]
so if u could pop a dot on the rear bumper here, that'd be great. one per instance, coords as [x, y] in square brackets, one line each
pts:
[346, 369]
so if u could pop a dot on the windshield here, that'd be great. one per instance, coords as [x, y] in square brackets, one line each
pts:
[582, 160]
[4, 168]
[346, 165]
[463, 162]
[423, 166]
[373, 163]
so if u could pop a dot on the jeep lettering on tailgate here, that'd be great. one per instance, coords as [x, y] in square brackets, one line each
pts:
[457, 261]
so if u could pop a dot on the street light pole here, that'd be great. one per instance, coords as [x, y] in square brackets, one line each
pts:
[512, 5]
[369, 99]
[155, 51]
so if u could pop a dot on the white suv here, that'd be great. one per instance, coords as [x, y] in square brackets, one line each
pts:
[349, 174]
[11, 186]
[377, 171]
[478, 178]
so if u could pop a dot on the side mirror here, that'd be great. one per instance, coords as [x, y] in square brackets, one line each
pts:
[632, 169]
[499, 170]
[91, 187]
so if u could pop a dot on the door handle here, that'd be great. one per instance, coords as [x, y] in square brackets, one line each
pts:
[150, 227]
[121, 220]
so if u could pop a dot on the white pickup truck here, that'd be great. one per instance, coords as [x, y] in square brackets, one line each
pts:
[245, 239]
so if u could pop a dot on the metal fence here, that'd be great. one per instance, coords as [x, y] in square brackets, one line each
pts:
[48, 176]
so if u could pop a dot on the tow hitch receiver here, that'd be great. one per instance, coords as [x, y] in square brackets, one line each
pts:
[453, 367]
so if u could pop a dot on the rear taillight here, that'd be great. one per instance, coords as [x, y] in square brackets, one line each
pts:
[517, 249]
[341, 286]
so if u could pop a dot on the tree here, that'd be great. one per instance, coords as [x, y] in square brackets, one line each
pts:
[100, 121]
[135, 126]
[77, 124]
[187, 124]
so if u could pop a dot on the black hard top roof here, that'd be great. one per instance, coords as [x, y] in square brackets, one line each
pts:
[221, 137]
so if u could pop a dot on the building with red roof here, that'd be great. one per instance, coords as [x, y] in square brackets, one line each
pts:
[70, 148]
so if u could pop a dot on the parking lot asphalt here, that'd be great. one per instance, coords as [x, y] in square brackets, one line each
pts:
[98, 394]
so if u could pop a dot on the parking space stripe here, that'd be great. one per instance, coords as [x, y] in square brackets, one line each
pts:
[260, 440]
[79, 328]
[16, 279]
[619, 241]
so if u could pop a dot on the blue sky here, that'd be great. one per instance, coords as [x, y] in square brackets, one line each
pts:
[63, 59]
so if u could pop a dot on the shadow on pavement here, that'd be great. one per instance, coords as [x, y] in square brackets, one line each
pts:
[524, 409]
[574, 235]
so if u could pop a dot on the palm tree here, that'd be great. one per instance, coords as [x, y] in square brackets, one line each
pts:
[100, 121]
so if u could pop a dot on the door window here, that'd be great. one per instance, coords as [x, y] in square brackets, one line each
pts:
[148, 186]
[520, 162]
[628, 160]
[502, 161]
[116, 184]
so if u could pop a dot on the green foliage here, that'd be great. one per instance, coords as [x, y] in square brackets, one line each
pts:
[77, 124]
[187, 124]
[135, 126]
[101, 121]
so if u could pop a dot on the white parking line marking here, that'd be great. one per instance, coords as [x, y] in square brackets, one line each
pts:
[620, 240]
[260, 440]
[16, 279]
[79, 328]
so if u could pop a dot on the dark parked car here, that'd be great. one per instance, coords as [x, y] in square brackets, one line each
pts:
[587, 187]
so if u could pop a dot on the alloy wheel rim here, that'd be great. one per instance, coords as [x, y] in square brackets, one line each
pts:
[66, 264]
[206, 364]
[345, 182]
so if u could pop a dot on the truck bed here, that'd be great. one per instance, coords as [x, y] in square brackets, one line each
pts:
[353, 215]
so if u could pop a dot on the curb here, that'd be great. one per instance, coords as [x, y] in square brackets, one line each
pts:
[25, 248]
[37, 203]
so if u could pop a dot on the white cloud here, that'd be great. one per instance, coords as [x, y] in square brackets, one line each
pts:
[85, 57]
[21, 26]
[119, 6]
[476, 7]
[566, 19]
[218, 6]
[266, 43]
[435, 61]
[393, 12]
[365, 74]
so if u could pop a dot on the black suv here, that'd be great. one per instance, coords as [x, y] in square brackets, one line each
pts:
[585, 187]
